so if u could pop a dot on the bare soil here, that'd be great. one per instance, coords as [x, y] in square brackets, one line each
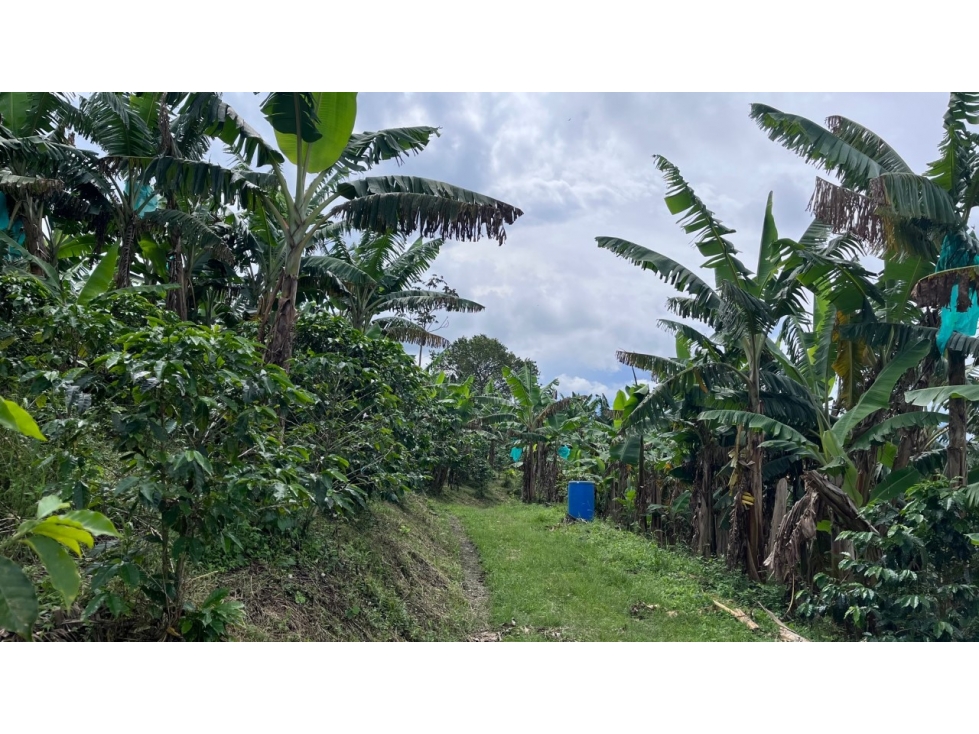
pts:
[472, 583]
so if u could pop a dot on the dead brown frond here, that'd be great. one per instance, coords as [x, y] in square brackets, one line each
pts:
[936, 290]
[430, 216]
[847, 211]
[799, 526]
[796, 530]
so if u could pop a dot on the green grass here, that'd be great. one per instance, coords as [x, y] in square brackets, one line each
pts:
[590, 581]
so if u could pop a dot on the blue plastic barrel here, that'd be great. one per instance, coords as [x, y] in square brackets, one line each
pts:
[581, 500]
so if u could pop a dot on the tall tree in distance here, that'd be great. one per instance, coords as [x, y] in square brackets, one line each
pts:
[482, 358]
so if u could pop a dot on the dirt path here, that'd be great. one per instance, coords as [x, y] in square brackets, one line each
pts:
[472, 584]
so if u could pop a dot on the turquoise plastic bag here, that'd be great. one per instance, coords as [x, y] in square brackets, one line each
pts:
[964, 322]
[954, 254]
[515, 453]
[15, 232]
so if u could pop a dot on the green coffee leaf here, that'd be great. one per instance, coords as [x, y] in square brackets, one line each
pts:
[61, 569]
[18, 604]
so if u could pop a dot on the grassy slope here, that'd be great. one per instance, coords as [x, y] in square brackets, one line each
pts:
[593, 582]
[394, 574]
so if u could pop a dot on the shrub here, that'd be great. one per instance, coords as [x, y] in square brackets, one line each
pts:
[912, 581]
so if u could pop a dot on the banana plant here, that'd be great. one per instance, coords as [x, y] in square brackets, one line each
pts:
[314, 133]
[39, 167]
[917, 223]
[832, 452]
[376, 275]
[153, 145]
[524, 417]
[743, 309]
[78, 283]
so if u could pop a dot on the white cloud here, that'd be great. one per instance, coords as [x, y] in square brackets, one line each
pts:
[582, 386]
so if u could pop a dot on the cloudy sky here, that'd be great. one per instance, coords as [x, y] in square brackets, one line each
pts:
[580, 166]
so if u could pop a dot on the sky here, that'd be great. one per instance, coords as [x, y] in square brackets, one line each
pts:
[580, 166]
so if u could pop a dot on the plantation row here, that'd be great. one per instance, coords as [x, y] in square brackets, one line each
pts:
[199, 362]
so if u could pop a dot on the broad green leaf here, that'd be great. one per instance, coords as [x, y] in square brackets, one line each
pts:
[899, 278]
[224, 123]
[867, 142]
[769, 426]
[50, 503]
[682, 347]
[432, 208]
[916, 197]
[323, 120]
[669, 270]
[938, 395]
[292, 113]
[818, 145]
[18, 603]
[698, 220]
[61, 569]
[627, 451]
[27, 114]
[954, 167]
[15, 418]
[878, 396]
[370, 148]
[887, 454]
[768, 251]
[198, 458]
[156, 254]
[77, 246]
[916, 419]
[94, 522]
[832, 448]
[824, 526]
[68, 535]
[101, 278]
[408, 332]
[835, 455]
[895, 485]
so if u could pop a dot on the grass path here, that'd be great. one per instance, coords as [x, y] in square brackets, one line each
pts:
[588, 581]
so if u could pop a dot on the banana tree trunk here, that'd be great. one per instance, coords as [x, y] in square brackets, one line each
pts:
[126, 253]
[642, 502]
[177, 298]
[911, 438]
[527, 493]
[265, 307]
[756, 516]
[702, 502]
[552, 479]
[957, 470]
[33, 238]
[279, 351]
[778, 512]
